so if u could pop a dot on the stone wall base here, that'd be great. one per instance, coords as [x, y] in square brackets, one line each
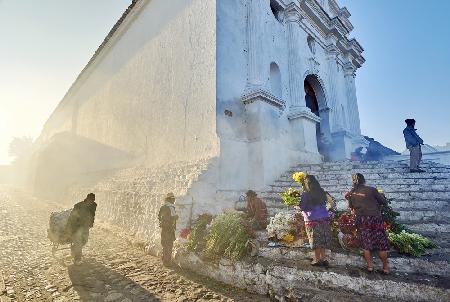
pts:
[285, 283]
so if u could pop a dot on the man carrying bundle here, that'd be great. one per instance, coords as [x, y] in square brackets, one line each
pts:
[80, 221]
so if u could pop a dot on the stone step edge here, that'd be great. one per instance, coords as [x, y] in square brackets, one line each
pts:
[397, 264]
[279, 280]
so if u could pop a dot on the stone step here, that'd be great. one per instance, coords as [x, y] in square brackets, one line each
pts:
[398, 204]
[365, 171]
[433, 229]
[387, 187]
[410, 216]
[369, 165]
[435, 195]
[344, 259]
[371, 177]
[288, 280]
[346, 181]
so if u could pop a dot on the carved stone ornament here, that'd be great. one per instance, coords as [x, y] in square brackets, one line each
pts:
[264, 96]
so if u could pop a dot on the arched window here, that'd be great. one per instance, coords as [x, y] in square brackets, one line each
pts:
[275, 80]
[311, 44]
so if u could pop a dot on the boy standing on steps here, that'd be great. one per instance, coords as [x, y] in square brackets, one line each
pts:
[413, 143]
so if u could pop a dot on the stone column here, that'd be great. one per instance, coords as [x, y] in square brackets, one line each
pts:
[331, 53]
[303, 121]
[255, 28]
[297, 92]
[353, 111]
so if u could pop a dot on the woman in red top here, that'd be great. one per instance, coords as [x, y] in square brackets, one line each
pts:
[366, 202]
[256, 211]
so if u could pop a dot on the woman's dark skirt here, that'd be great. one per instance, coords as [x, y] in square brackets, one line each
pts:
[371, 233]
[319, 234]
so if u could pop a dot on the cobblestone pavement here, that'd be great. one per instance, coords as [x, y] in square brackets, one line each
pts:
[113, 270]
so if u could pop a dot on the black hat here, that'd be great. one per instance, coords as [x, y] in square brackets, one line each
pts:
[251, 193]
[170, 196]
[90, 196]
[410, 121]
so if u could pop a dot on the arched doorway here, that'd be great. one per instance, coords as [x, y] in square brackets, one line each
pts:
[316, 101]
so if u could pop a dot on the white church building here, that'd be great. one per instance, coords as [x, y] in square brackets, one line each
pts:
[286, 73]
[221, 95]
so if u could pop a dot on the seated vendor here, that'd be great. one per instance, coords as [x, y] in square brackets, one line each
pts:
[256, 211]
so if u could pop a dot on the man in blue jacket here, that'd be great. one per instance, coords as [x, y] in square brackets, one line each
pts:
[413, 143]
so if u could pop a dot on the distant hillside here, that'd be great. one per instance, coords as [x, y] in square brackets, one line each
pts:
[443, 148]
[425, 149]
[377, 151]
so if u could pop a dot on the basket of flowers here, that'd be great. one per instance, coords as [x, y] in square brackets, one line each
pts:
[282, 226]
[347, 223]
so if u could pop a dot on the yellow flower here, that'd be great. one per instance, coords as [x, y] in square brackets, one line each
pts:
[380, 191]
[299, 177]
[288, 238]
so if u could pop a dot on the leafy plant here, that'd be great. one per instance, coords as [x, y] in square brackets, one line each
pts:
[410, 243]
[228, 237]
[198, 234]
[291, 197]
[390, 216]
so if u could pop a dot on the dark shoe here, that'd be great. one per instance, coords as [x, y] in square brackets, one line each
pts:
[314, 263]
[325, 263]
[383, 272]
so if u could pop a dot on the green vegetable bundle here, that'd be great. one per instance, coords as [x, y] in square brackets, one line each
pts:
[410, 243]
[390, 217]
[228, 237]
[198, 234]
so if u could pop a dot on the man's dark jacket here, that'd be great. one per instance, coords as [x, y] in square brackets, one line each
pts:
[167, 222]
[82, 215]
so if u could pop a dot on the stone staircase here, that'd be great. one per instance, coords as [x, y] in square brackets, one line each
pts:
[423, 201]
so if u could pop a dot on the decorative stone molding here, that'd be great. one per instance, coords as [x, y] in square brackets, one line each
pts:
[337, 24]
[305, 113]
[292, 13]
[264, 96]
[313, 65]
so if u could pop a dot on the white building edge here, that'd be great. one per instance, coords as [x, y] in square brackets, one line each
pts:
[213, 88]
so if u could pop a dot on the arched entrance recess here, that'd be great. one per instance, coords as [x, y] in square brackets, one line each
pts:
[315, 100]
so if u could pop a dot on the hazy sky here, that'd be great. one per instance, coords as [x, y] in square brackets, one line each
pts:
[44, 44]
[407, 72]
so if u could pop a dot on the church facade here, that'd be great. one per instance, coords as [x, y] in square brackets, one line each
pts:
[286, 70]
[243, 89]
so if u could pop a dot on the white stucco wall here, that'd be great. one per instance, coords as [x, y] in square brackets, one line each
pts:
[151, 91]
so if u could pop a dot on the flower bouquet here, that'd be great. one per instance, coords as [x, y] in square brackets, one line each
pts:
[291, 197]
[299, 177]
[347, 236]
[390, 216]
[281, 225]
[347, 223]
[184, 233]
